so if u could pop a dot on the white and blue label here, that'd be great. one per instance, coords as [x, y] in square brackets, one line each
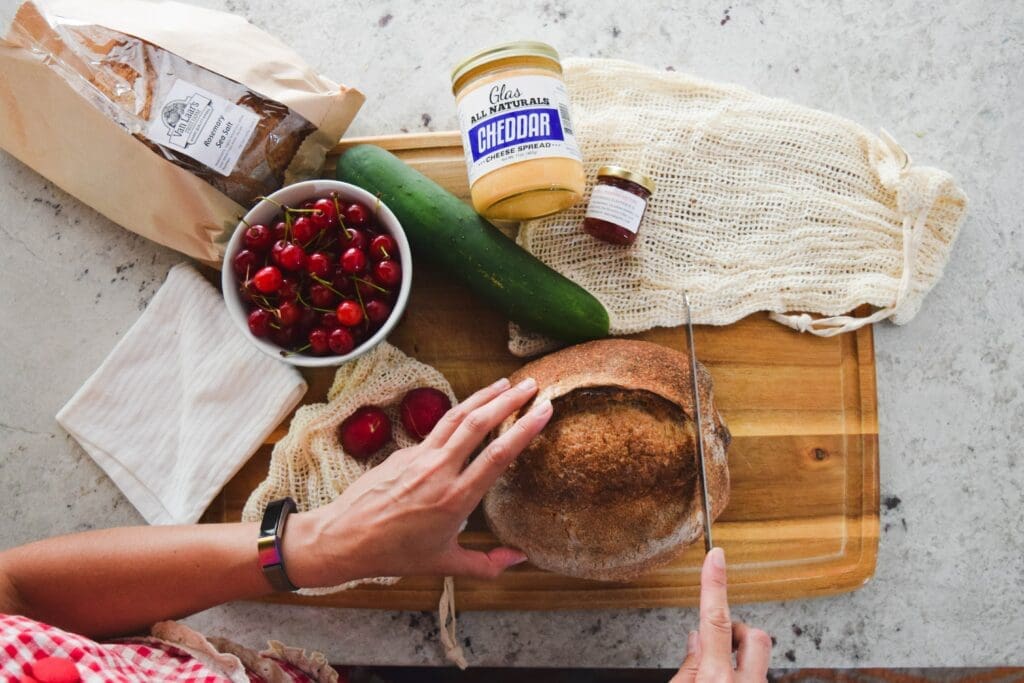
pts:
[205, 126]
[515, 119]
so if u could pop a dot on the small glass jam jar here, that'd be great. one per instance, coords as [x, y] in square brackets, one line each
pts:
[617, 204]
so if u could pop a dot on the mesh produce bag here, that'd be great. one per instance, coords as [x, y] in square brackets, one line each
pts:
[309, 463]
[311, 467]
[760, 205]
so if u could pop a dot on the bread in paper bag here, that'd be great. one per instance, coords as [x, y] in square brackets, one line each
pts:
[169, 119]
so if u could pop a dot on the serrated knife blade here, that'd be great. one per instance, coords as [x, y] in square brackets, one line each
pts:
[702, 469]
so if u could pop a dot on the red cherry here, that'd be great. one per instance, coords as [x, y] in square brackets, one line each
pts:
[244, 263]
[388, 273]
[289, 289]
[258, 237]
[382, 247]
[280, 231]
[329, 321]
[267, 280]
[308, 320]
[353, 261]
[292, 257]
[341, 341]
[322, 296]
[319, 264]
[289, 313]
[349, 313]
[355, 239]
[328, 208]
[377, 311]
[344, 284]
[320, 221]
[365, 431]
[357, 215]
[283, 336]
[318, 343]
[307, 205]
[303, 230]
[422, 409]
[276, 249]
[358, 333]
[259, 322]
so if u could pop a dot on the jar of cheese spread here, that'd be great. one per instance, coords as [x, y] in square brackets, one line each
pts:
[521, 153]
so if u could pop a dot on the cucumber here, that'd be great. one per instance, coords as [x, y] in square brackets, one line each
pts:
[446, 231]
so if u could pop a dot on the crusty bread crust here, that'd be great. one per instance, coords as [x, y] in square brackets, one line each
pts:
[609, 490]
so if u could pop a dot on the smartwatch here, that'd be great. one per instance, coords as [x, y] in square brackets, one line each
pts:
[271, 558]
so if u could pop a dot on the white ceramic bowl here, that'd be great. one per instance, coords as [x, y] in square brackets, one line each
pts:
[294, 195]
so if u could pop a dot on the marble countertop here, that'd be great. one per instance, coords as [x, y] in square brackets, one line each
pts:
[944, 81]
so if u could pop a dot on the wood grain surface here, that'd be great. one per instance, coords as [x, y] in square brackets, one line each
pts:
[803, 515]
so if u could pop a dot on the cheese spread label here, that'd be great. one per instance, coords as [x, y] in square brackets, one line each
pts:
[615, 205]
[515, 119]
[205, 126]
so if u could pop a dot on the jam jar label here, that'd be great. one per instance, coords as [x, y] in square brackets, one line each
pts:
[515, 119]
[615, 205]
[205, 126]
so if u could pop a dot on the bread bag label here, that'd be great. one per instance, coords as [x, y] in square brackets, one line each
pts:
[515, 119]
[205, 126]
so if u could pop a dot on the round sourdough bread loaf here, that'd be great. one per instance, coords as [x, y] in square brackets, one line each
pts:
[609, 489]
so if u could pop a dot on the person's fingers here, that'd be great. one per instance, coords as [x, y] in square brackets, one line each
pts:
[688, 671]
[481, 565]
[478, 423]
[715, 624]
[443, 430]
[753, 653]
[485, 469]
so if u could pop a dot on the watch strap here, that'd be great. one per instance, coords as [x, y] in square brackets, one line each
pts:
[271, 557]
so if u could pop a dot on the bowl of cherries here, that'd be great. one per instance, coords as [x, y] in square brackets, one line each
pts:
[318, 273]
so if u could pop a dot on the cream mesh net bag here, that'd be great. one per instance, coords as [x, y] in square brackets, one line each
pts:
[760, 205]
[311, 467]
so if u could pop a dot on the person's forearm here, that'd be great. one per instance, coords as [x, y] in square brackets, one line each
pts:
[118, 581]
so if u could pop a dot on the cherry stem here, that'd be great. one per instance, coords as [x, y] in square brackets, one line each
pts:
[361, 304]
[341, 220]
[326, 284]
[274, 202]
[301, 210]
[244, 222]
[311, 306]
[370, 284]
[285, 353]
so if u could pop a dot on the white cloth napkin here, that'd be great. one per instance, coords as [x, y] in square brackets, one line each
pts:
[181, 402]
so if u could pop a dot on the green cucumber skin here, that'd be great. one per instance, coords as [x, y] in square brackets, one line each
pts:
[449, 233]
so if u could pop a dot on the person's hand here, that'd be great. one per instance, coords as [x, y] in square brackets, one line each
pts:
[709, 652]
[403, 517]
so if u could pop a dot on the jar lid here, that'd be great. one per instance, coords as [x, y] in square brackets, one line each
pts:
[521, 48]
[624, 173]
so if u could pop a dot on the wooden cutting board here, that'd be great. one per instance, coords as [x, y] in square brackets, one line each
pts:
[803, 515]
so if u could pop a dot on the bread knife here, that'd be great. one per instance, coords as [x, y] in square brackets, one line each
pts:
[702, 470]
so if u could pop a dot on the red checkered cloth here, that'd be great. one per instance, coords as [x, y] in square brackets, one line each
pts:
[24, 641]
